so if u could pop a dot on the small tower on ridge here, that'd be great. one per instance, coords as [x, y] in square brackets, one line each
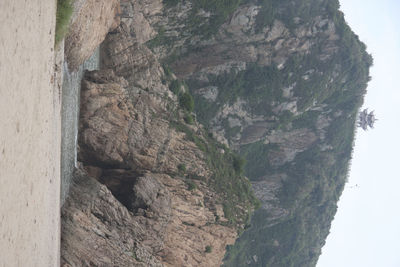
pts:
[366, 119]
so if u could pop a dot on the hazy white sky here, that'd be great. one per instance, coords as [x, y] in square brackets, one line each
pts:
[366, 229]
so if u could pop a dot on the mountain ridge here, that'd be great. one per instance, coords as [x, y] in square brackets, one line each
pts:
[278, 82]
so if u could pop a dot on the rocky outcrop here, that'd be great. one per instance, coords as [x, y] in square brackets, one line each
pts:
[290, 143]
[272, 80]
[241, 42]
[90, 23]
[266, 191]
[119, 132]
[138, 16]
[133, 61]
[238, 45]
[172, 227]
[278, 82]
[98, 231]
[133, 203]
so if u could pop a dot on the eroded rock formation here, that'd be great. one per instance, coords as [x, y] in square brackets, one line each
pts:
[90, 23]
[278, 82]
[132, 203]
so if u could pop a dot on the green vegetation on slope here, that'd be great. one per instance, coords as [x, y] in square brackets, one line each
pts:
[227, 180]
[314, 185]
[316, 177]
[287, 10]
[64, 12]
[220, 10]
[204, 19]
[227, 167]
[331, 88]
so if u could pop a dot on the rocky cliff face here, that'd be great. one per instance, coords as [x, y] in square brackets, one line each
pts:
[279, 82]
[145, 193]
[132, 203]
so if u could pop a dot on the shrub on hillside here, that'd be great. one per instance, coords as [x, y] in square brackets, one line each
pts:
[186, 101]
[64, 12]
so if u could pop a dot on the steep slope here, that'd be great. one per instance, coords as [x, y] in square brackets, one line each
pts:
[150, 188]
[280, 82]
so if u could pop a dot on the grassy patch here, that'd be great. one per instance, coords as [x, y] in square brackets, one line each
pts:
[220, 9]
[186, 101]
[182, 167]
[175, 87]
[64, 12]
[234, 190]
[158, 40]
[170, 3]
[189, 118]
[191, 185]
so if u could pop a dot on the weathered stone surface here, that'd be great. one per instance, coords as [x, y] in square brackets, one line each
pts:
[136, 15]
[97, 230]
[238, 44]
[266, 191]
[172, 235]
[127, 144]
[96, 123]
[290, 144]
[133, 212]
[132, 60]
[210, 93]
[120, 132]
[90, 23]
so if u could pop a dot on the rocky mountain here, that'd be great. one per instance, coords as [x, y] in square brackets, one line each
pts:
[152, 189]
[278, 82]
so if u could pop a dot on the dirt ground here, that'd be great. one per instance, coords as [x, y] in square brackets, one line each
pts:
[29, 135]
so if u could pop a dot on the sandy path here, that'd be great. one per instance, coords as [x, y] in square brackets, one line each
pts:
[29, 135]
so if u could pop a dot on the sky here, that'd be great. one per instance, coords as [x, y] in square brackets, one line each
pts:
[366, 228]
